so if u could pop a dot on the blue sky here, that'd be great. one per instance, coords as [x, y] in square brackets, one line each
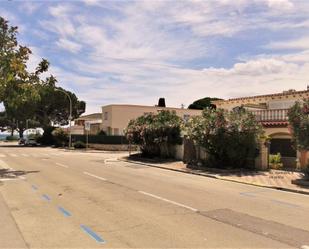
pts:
[137, 51]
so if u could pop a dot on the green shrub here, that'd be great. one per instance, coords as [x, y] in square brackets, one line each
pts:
[229, 138]
[155, 133]
[275, 161]
[61, 137]
[11, 138]
[101, 139]
[79, 145]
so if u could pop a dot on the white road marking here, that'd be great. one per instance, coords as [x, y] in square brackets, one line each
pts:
[13, 155]
[5, 166]
[111, 160]
[55, 154]
[2, 155]
[98, 177]
[8, 179]
[62, 165]
[304, 247]
[169, 201]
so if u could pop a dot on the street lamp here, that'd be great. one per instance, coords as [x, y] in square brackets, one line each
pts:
[70, 116]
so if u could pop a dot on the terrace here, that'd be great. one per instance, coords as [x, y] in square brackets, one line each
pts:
[272, 116]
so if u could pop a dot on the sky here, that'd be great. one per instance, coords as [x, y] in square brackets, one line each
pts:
[134, 52]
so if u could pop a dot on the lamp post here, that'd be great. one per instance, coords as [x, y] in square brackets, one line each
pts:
[70, 116]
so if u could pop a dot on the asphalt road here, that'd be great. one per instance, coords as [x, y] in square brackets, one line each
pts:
[87, 200]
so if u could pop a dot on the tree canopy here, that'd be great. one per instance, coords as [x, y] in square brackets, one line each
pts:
[24, 94]
[299, 121]
[53, 106]
[201, 104]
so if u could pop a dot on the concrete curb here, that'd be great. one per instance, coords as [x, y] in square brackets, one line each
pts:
[90, 151]
[218, 177]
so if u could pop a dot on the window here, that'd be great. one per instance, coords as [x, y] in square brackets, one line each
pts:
[105, 115]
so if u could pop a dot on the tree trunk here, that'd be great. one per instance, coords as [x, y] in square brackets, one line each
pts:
[21, 133]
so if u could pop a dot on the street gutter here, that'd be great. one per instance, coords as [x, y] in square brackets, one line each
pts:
[217, 177]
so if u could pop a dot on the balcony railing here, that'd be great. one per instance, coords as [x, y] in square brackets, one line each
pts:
[271, 115]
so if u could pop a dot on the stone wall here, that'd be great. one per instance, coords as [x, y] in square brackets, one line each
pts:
[188, 152]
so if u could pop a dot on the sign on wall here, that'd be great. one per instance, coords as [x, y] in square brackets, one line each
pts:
[87, 126]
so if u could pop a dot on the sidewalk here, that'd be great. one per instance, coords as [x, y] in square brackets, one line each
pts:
[10, 236]
[276, 179]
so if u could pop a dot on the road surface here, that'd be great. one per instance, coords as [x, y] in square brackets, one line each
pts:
[89, 200]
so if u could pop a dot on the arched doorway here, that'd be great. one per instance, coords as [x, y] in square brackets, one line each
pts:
[282, 143]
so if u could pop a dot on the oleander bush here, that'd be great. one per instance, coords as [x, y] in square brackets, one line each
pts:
[155, 133]
[229, 138]
[298, 116]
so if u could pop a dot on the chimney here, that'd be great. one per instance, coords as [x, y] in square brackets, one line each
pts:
[161, 102]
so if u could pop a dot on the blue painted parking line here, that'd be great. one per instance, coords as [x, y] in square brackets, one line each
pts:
[92, 234]
[46, 197]
[64, 212]
[34, 187]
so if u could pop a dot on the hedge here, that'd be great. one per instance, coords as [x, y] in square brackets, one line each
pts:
[101, 139]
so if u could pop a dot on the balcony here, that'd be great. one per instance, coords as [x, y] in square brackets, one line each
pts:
[272, 115]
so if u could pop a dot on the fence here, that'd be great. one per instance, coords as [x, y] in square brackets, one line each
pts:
[271, 115]
[101, 139]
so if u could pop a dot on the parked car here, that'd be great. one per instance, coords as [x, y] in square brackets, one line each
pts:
[31, 142]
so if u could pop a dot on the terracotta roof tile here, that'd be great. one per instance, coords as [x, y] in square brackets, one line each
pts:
[265, 95]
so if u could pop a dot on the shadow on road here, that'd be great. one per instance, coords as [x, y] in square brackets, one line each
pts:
[9, 173]
[138, 157]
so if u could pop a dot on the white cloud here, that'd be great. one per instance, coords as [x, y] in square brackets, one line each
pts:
[93, 2]
[71, 46]
[144, 84]
[137, 51]
[263, 66]
[29, 7]
[60, 10]
[301, 44]
[280, 4]
[61, 23]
